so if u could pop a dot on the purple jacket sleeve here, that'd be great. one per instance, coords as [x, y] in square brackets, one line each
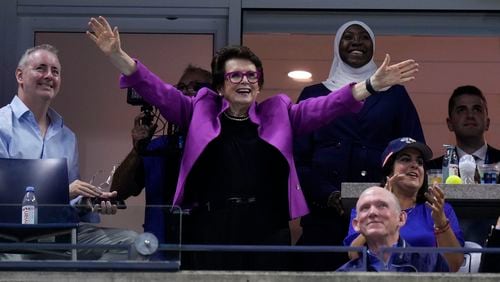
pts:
[314, 113]
[174, 106]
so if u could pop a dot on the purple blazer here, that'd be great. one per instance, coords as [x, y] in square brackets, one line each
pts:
[278, 120]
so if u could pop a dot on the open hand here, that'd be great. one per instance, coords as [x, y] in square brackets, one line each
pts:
[107, 39]
[388, 75]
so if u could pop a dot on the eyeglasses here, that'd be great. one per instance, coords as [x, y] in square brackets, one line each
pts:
[237, 76]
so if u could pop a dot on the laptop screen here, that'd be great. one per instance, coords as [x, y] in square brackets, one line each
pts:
[50, 179]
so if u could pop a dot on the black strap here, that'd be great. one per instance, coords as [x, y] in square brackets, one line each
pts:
[370, 88]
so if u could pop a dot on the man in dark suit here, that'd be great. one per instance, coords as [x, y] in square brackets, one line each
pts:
[468, 119]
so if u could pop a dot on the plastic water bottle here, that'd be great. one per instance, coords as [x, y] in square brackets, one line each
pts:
[446, 159]
[29, 209]
[453, 163]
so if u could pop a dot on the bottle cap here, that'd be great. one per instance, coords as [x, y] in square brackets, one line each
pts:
[30, 189]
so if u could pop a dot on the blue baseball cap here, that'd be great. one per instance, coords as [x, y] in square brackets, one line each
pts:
[400, 144]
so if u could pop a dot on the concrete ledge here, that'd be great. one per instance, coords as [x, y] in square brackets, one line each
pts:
[469, 192]
[223, 276]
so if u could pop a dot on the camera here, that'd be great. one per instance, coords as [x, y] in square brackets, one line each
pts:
[135, 99]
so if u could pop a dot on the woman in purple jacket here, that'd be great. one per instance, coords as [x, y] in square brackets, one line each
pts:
[237, 171]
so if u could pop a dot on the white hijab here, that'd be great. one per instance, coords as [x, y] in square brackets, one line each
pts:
[340, 72]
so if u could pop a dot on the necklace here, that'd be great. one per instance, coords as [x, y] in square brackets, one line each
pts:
[235, 118]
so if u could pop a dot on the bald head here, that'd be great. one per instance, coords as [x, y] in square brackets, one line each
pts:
[382, 192]
[378, 216]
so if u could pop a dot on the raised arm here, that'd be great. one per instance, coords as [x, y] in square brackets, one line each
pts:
[386, 76]
[445, 236]
[314, 113]
[108, 40]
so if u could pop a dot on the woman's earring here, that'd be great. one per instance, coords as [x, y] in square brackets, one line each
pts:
[220, 94]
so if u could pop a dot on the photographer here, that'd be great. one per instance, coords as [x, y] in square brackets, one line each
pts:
[154, 163]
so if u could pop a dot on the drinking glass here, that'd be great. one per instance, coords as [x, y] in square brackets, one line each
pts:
[488, 173]
[435, 175]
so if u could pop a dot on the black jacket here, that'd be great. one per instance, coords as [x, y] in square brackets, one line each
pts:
[490, 262]
[492, 156]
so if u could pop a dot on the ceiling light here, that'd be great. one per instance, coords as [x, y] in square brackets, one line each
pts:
[300, 75]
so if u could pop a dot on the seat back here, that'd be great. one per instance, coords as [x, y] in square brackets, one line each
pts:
[50, 179]
[471, 260]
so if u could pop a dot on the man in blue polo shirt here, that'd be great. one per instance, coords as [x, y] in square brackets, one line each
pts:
[379, 218]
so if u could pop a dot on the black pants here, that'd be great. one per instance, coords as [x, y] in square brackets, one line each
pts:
[237, 225]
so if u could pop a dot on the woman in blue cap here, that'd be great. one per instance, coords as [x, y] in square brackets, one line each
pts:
[431, 221]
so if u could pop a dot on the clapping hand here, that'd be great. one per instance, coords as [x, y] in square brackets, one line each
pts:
[393, 179]
[435, 201]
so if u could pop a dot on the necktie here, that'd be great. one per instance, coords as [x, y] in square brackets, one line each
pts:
[477, 176]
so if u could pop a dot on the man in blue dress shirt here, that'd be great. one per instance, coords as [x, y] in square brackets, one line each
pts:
[30, 129]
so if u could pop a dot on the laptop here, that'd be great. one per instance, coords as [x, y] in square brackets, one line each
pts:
[50, 179]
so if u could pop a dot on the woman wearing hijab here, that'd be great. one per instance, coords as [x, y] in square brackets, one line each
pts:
[349, 148]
